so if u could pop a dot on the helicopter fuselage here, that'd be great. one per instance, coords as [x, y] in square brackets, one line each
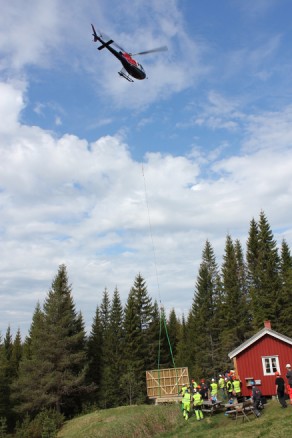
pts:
[130, 64]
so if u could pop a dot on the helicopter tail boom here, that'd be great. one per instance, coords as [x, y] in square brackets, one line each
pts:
[105, 44]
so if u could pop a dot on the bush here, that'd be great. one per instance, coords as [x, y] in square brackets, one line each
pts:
[45, 425]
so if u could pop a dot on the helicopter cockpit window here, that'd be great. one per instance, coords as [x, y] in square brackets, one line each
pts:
[140, 66]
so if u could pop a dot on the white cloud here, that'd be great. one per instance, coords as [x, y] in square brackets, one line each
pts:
[65, 200]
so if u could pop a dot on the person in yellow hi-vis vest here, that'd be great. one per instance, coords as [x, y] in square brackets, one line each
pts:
[214, 390]
[186, 401]
[198, 401]
[237, 388]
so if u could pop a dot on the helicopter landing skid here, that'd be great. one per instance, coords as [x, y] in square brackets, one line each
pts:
[124, 75]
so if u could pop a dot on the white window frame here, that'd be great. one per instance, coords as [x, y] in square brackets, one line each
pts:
[270, 360]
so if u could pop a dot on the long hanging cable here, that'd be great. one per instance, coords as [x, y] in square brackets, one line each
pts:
[162, 314]
[151, 234]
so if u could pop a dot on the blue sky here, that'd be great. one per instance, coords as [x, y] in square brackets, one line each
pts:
[211, 127]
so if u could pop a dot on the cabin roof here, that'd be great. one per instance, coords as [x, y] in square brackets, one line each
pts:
[264, 331]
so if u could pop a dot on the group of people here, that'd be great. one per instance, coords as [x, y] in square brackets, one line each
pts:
[228, 388]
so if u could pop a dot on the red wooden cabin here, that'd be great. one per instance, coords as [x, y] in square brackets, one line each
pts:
[260, 357]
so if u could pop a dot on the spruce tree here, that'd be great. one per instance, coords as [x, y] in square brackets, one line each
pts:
[173, 327]
[205, 322]
[285, 300]
[52, 374]
[94, 357]
[105, 391]
[131, 381]
[17, 352]
[116, 340]
[234, 310]
[264, 265]
[183, 356]
[5, 406]
[138, 337]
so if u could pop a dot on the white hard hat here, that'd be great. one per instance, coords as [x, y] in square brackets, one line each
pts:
[288, 365]
[213, 380]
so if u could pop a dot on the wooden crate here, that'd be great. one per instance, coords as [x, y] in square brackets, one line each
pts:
[167, 382]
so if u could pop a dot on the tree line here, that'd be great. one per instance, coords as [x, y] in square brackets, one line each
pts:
[58, 368]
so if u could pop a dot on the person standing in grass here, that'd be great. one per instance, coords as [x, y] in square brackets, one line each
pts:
[198, 401]
[280, 389]
[289, 377]
[186, 401]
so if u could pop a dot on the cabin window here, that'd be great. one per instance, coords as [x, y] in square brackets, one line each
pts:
[270, 365]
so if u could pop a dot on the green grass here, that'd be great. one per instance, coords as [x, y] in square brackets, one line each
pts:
[167, 422]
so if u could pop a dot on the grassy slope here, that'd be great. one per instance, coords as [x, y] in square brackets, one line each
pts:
[167, 422]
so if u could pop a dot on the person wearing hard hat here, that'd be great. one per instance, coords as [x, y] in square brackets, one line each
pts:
[186, 401]
[289, 377]
[214, 390]
[256, 397]
[222, 387]
[198, 401]
[280, 389]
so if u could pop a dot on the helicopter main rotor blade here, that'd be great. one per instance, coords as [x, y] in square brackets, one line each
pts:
[158, 49]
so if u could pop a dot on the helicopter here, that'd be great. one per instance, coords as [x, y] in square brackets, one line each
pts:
[130, 66]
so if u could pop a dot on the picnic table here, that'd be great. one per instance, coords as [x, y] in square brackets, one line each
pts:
[210, 407]
[237, 410]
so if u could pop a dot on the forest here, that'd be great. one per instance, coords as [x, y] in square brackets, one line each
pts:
[59, 371]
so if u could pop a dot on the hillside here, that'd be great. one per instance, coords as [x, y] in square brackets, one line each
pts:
[167, 421]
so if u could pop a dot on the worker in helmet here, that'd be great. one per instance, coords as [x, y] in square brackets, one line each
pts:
[229, 388]
[237, 388]
[280, 389]
[194, 384]
[214, 390]
[198, 401]
[186, 401]
[222, 387]
[256, 398]
[204, 391]
[289, 377]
